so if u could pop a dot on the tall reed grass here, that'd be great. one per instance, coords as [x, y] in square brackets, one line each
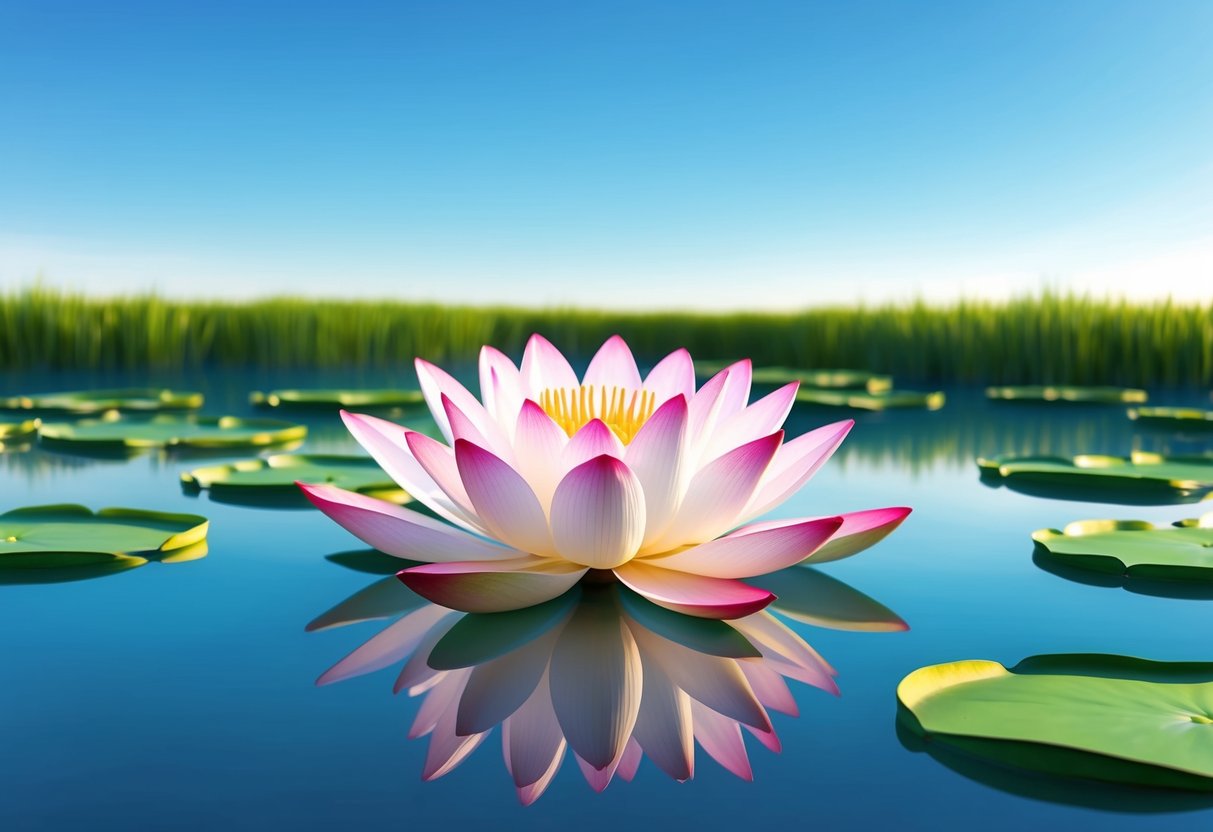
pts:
[1051, 338]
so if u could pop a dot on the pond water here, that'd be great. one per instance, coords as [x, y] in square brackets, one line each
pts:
[183, 696]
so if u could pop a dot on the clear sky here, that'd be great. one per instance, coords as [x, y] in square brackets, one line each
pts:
[624, 154]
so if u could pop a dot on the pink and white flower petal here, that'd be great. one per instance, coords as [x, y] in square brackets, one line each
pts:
[746, 553]
[721, 738]
[496, 586]
[489, 437]
[500, 387]
[694, 595]
[598, 778]
[770, 688]
[400, 531]
[629, 763]
[437, 383]
[593, 439]
[438, 700]
[499, 687]
[717, 494]
[703, 409]
[538, 445]
[504, 501]
[438, 460]
[736, 394]
[387, 647]
[859, 531]
[417, 676]
[673, 376]
[448, 749]
[759, 419]
[794, 463]
[769, 739]
[531, 738]
[598, 514]
[613, 366]
[786, 652]
[544, 367]
[657, 456]
[530, 793]
[663, 725]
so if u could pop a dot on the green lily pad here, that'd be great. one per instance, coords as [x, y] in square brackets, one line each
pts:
[332, 399]
[274, 478]
[1140, 479]
[71, 536]
[141, 399]
[18, 434]
[1070, 394]
[122, 434]
[828, 379]
[871, 401]
[1183, 551]
[1174, 418]
[1113, 718]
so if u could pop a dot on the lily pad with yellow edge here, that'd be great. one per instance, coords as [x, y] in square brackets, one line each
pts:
[334, 399]
[1173, 418]
[1134, 548]
[18, 434]
[71, 537]
[1067, 394]
[1117, 719]
[860, 400]
[272, 480]
[114, 433]
[1139, 479]
[85, 402]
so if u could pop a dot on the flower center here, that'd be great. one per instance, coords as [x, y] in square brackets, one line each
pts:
[620, 410]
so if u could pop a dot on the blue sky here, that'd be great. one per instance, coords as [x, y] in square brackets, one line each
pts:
[619, 154]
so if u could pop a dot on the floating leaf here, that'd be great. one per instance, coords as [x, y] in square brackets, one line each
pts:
[18, 434]
[1072, 395]
[122, 434]
[332, 399]
[71, 536]
[1141, 479]
[871, 401]
[1113, 718]
[1183, 551]
[98, 401]
[1174, 418]
[253, 481]
[830, 379]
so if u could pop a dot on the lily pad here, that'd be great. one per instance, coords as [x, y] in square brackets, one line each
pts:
[1183, 551]
[332, 399]
[871, 401]
[18, 434]
[138, 399]
[1070, 394]
[122, 434]
[1113, 718]
[71, 536]
[828, 379]
[1174, 418]
[1140, 479]
[273, 478]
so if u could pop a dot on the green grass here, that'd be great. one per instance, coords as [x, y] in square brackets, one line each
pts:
[1055, 339]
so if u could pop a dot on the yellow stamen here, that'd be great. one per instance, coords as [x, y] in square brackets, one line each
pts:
[573, 408]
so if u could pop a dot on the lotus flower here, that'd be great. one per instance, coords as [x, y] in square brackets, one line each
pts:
[548, 479]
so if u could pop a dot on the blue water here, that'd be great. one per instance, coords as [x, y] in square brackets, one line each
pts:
[182, 696]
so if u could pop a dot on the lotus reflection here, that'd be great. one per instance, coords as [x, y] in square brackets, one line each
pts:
[599, 674]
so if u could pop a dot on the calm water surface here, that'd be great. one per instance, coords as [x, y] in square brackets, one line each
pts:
[182, 696]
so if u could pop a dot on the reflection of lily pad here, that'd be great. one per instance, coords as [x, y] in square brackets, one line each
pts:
[71, 536]
[1135, 548]
[1112, 718]
[1175, 418]
[871, 401]
[97, 401]
[18, 434]
[117, 434]
[254, 480]
[333, 399]
[1142, 478]
[1073, 395]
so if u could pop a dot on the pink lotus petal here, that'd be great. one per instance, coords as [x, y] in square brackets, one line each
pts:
[657, 455]
[629, 763]
[504, 501]
[859, 530]
[597, 778]
[437, 383]
[736, 393]
[770, 688]
[613, 366]
[499, 687]
[721, 738]
[387, 443]
[663, 724]
[745, 553]
[530, 793]
[768, 738]
[490, 437]
[417, 676]
[694, 595]
[387, 647]
[704, 408]
[447, 749]
[500, 386]
[717, 494]
[786, 652]
[399, 531]
[598, 514]
[593, 439]
[531, 738]
[443, 693]
[794, 463]
[497, 586]
[438, 460]
[544, 367]
[538, 445]
[596, 683]
[674, 375]
[759, 419]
